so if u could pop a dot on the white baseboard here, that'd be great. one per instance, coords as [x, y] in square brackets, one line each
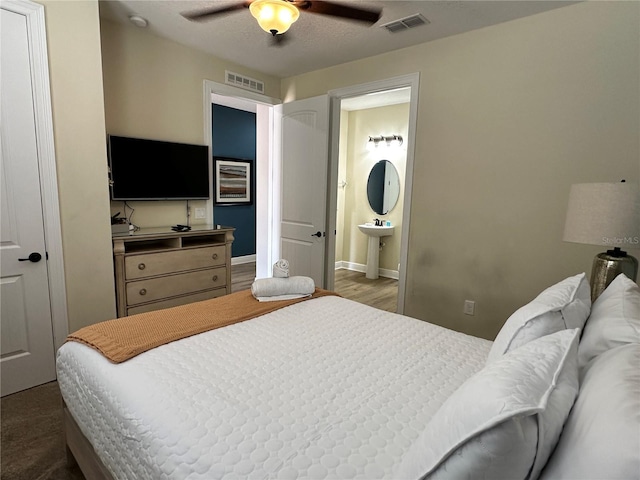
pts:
[358, 267]
[354, 267]
[243, 259]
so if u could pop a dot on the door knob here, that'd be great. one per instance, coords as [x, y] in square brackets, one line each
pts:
[34, 257]
[317, 234]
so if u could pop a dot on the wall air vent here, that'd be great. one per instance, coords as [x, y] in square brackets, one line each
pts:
[406, 23]
[243, 82]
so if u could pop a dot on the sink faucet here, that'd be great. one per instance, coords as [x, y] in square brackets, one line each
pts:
[378, 222]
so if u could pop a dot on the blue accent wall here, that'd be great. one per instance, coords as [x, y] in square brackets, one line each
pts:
[234, 135]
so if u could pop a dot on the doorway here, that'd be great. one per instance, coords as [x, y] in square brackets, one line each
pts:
[234, 143]
[268, 174]
[371, 90]
[371, 179]
[267, 131]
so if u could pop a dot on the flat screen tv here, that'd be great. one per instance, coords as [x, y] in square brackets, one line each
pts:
[155, 170]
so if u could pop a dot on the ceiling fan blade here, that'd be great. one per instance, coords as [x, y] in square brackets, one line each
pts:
[204, 15]
[339, 10]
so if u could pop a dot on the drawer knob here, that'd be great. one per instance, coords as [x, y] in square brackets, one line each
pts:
[143, 291]
[214, 256]
[215, 278]
[141, 266]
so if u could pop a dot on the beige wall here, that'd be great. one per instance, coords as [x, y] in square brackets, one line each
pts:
[509, 117]
[343, 142]
[79, 131]
[358, 162]
[153, 88]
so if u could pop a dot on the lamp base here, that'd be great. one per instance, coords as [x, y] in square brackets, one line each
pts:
[607, 266]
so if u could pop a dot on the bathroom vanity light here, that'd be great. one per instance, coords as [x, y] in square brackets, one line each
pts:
[373, 142]
[396, 141]
[384, 140]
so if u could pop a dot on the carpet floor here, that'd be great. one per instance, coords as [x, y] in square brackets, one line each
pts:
[32, 442]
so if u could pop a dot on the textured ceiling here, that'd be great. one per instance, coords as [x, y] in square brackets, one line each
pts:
[315, 41]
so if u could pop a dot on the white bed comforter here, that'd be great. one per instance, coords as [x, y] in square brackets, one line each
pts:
[326, 388]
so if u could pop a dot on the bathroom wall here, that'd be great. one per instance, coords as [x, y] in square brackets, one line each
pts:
[342, 175]
[354, 208]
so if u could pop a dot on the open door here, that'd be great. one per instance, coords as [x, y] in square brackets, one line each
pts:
[27, 347]
[305, 160]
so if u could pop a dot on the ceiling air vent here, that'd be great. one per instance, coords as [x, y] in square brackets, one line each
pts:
[406, 23]
[244, 82]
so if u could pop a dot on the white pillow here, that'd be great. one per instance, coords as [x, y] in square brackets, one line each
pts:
[503, 422]
[614, 320]
[601, 438]
[559, 307]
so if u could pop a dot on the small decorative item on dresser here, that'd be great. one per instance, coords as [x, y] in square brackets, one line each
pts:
[119, 224]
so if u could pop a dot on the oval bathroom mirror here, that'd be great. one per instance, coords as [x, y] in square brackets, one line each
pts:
[383, 187]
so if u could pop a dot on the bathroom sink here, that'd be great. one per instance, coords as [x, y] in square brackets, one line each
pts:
[376, 231]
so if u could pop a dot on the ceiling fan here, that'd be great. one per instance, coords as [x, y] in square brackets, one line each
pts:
[276, 16]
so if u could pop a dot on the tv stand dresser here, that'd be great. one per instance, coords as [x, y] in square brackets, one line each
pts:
[158, 268]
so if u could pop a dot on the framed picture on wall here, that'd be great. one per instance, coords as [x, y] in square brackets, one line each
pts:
[233, 181]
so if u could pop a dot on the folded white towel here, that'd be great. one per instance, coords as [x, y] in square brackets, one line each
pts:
[281, 269]
[271, 287]
[276, 298]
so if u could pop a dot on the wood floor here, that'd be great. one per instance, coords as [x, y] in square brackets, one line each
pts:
[381, 293]
[242, 276]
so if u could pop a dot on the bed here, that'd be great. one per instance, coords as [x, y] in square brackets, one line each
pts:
[330, 388]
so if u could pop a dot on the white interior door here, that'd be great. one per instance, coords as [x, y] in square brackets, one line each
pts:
[27, 348]
[305, 159]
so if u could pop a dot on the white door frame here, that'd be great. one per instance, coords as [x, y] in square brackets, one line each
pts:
[413, 81]
[267, 152]
[34, 15]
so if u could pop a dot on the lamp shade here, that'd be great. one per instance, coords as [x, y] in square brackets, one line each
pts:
[274, 16]
[604, 214]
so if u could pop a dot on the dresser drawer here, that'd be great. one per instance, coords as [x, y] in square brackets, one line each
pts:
[152, 264]
[176, 301]
[143, 291]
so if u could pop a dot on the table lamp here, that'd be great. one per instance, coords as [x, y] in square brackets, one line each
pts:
[605, 214]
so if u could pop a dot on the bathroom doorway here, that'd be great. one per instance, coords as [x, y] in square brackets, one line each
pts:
[371, 179]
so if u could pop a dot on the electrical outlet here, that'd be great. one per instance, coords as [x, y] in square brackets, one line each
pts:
[469, 307]
[200, 213]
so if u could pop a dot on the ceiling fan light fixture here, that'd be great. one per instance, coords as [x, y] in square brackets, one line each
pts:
[274, 16]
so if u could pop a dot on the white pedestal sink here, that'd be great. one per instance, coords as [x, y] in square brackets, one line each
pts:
[373, 252]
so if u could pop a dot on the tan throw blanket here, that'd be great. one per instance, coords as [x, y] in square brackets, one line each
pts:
[126, 337]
